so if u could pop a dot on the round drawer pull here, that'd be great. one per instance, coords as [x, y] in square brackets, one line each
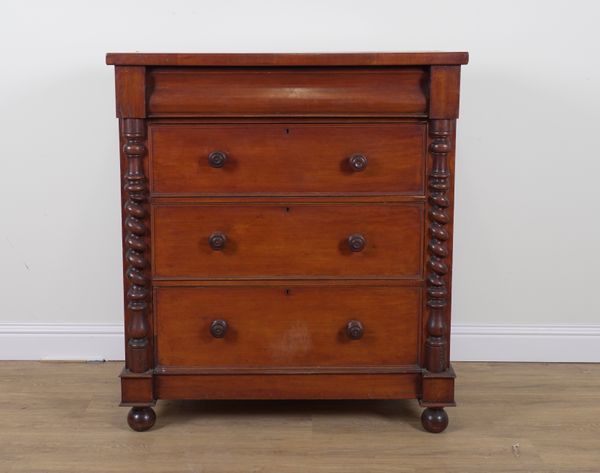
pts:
[358, 162]
[356, 242]
[354, 329]
[218, 328]
[217, 159]
[217, 241]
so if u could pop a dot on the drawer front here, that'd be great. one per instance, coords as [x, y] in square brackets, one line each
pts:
[288, 92]
[208, 241]
[287, 327]
[288, 158]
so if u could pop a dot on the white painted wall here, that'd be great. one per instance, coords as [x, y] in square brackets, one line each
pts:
[528, 203]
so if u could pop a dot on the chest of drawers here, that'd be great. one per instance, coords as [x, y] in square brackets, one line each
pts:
[287, 227]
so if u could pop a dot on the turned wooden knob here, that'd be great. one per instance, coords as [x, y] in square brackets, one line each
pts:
[218, 328]
[217, 241]
[354, 329]
[217, 159]
[358, 162]
[356, 242]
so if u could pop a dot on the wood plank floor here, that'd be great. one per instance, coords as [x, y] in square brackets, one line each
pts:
[63, 417]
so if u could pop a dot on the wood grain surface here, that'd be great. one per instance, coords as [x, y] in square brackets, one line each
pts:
[423, 58]
[287, 92]
[288, 158]
[280, 326]
[536, 418]
[295, 240]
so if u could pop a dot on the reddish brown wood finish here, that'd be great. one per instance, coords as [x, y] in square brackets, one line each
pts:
[292, 216]
[288, 159]
[137, 389]
[266, 241]
[130, 88]
[444, 92]
[290, 59]
[287, 92]
[289, 386]
[438, 389]
[136, 243]
[280, 326]
[439, 217]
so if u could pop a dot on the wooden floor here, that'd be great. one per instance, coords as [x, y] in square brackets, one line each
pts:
[63, 417]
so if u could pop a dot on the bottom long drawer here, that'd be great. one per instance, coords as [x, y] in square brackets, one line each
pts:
[287, 327]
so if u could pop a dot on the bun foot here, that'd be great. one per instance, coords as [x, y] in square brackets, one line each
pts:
[434, 420]
[141, 418]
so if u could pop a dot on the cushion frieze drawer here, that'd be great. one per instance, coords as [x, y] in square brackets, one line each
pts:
[299, 240]
[276, 326]
[288, 158]
[288, 92]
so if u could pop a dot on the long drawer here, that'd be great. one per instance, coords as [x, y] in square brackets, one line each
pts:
[299, 240]
[288, 158]
[278, 326]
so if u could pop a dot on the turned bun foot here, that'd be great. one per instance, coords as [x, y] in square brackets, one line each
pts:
[141, 418]
[434, 420]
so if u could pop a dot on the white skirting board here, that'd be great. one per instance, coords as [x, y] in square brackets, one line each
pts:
[526, 343]
[519, 343]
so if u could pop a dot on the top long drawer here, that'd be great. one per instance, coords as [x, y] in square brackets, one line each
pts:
[288, 158]
[231, 92]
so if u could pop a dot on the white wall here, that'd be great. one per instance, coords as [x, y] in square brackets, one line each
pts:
[528, 204]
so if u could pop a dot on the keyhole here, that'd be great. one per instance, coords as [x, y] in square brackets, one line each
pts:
[287, 292]
[287, 209]
[287, 131]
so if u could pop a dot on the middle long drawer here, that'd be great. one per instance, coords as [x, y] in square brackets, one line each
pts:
[205, 241]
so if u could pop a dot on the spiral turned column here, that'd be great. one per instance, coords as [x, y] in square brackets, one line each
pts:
[437, 267]
[137, 299]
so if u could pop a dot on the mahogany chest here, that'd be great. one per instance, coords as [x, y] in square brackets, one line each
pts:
[287, 227]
